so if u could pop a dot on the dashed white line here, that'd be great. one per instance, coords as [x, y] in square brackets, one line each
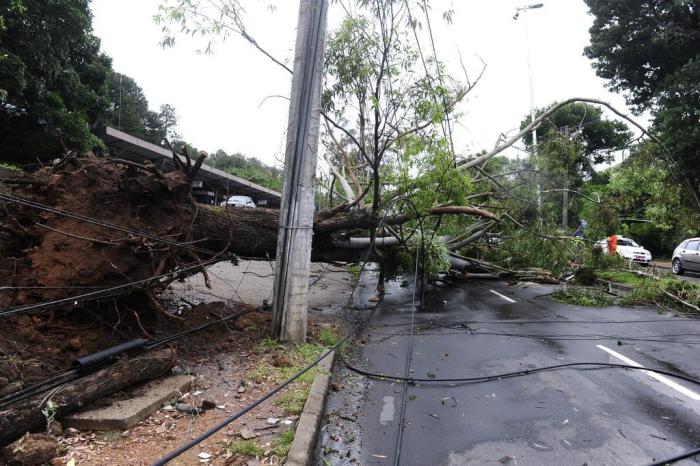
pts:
[664, 380]
[502, 296]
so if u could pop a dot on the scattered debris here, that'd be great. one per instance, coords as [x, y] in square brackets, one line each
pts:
[188, 409]
[32, 449]
[247, 433]
[206, 405]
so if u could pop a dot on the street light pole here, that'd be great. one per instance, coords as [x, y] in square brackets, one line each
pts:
[525, 9]
[532, 85]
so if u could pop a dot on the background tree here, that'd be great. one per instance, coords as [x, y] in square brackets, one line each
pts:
[599, 137]
[249, 168]
[640, 199]
[52, 78]
[651, 50]
[572, 141]
[129, 112]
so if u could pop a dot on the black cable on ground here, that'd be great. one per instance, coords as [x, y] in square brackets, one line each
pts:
[407, 368]
[74, 374]
[673, 459]
[183, 448]
[99, 294]
[191, 444]
[504, 375]
[544, 321]
[660, 338]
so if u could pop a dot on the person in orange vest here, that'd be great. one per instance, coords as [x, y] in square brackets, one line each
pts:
[612, 245]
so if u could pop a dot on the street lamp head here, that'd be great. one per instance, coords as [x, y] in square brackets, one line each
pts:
[525, 8]
[529, 7]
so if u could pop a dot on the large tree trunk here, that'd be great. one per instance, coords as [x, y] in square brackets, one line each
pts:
[131, 223]
[26, 415]
[48, 255]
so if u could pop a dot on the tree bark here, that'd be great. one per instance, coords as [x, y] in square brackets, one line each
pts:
[98, 224]
[27, 415]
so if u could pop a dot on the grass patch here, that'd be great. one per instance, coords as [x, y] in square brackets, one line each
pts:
[245, 447]
[293, 401]
[328, 337]
[266, 345]
[582, 297]
[111, 436]
[283, 443]
[667, 293]
[259, 373]
[621, 276]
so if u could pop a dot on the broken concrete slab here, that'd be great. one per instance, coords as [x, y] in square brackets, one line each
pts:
[124, 413]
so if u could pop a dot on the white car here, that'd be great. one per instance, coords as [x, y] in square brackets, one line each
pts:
[239, 201]
[628, 248]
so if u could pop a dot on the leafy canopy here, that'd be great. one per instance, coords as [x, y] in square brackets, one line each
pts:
[129, 111]
[651, 50]
[52, 77]
[599, 137]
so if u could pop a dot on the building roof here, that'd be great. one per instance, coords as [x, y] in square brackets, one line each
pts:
[135, 149]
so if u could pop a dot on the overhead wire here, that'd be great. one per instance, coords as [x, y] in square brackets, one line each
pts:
[274, 391]
[407, 367]
[505, 375]
[99, 294]
[76, 373]
[676, 458]
[104, 224]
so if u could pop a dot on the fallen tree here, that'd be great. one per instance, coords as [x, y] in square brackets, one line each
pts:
[88, 223]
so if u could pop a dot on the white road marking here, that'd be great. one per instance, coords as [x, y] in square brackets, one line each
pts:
[664, 380]
[502, 296]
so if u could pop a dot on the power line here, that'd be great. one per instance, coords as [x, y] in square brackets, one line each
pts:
[183, 448]
[409, 358]
[505, 375]
[79, 372]
[37, 205]
[99, 293]
[673, 459]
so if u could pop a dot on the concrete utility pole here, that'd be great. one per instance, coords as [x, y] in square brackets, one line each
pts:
[290, 302]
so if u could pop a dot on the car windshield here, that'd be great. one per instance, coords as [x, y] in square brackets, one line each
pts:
[627, 242]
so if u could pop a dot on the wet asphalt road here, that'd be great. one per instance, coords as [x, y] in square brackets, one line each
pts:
[593, 416]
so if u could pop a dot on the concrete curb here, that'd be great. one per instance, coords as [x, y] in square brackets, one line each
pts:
[301, 452]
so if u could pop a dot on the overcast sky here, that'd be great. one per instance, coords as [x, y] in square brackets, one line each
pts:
[221, 98]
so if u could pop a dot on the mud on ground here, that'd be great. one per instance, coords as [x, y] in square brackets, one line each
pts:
[234, 364]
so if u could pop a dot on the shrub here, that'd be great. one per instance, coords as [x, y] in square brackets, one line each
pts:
[582, 297]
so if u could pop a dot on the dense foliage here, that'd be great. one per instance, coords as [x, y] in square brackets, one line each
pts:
[57, 87]
[52, 77]
[249, 168]
[598, 136]
[638, 198]
[129, 111]
[651, 50]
